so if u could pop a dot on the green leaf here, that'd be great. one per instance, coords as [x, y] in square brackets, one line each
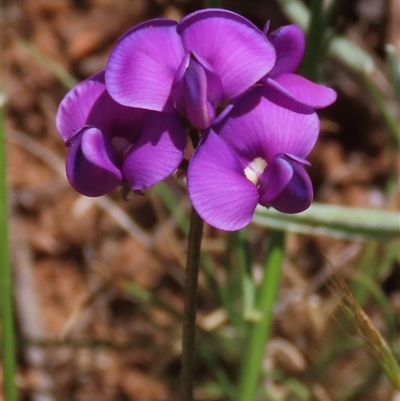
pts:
[334, 221]
[6, 302]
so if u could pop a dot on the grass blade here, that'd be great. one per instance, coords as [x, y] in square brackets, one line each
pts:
[376, 344]
[260, 329]
[6, 302]
[49, 64]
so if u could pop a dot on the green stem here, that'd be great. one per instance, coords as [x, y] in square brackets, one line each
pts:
[189, 312]
[248, 285]
[260, 329]
[213, 3]
[311, 66]
[6, 305]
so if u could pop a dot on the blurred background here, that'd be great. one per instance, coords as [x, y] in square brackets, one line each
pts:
[97, 283]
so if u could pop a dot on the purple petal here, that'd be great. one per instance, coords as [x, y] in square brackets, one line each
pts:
[113, 119]
[91, 164]
[157, 152]
[217, 186]
[297, 194]
[289, 44]
[274, 179]
[89, 104]
[197, 93]
[76, 105]
[258, 127]
[304, 91]
[142, 65]
[236, 49]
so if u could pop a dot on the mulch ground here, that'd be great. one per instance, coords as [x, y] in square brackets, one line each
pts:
[82, 335]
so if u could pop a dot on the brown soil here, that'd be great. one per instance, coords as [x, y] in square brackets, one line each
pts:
[82, 335]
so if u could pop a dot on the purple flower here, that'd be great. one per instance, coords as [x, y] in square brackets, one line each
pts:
[210, 57]
[254, 153]
[289, 44]
[111, 145]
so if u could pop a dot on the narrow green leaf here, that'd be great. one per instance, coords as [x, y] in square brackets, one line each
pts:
[215, 367]
[393, 61]
[182, 219]
[296, 11]
[213, 3]
[334, 221]
[311, 66]
[380, 102]
[260, 329]
[340, 47]
[376, 344]
[351, 55]
[48, 63]
[6, 301]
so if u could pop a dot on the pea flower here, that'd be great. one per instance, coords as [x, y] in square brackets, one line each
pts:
[289, 44]
[110, 144]
[254, 153]
[210, 57]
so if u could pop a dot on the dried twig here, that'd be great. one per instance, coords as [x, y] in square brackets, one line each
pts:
[28, 308]
[104, 202]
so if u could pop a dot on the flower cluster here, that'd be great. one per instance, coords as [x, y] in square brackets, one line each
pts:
[236, 87]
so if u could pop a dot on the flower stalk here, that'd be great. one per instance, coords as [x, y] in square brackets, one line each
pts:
[190, 299]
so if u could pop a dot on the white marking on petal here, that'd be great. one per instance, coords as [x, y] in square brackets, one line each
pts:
[255, 169]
